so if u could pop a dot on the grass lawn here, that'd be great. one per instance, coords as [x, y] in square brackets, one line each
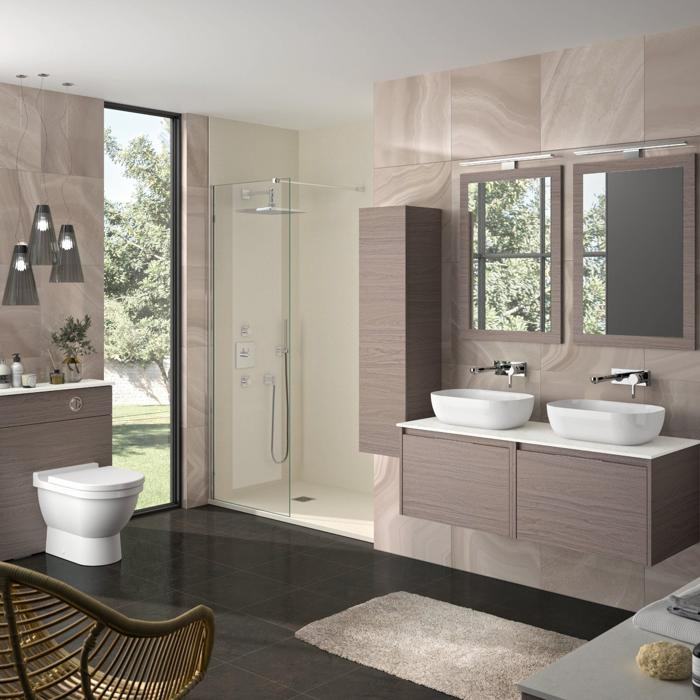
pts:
[141, 441]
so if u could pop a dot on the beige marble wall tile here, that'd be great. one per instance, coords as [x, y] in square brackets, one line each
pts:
[195, 312]
[671, 86]
[196, 149]
[495, 556]
[195, 389]
[680, 399]
[20, 326]
[671, 574]
[593, 95]
[496, 108]
[412, 120]
[195, 486]
[592, 577]
[399, 534]
[14, 220]
[20, 129]
[73, 138]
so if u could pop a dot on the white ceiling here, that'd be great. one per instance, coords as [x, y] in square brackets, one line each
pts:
[293, 63]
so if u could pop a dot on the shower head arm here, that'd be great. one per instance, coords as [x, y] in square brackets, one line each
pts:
[350, 188]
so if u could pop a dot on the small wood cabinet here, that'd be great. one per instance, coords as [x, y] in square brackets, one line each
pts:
[44, 430]
[638, 509]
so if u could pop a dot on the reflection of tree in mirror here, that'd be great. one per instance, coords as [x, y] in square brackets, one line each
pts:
[594, 267]
[513, 224]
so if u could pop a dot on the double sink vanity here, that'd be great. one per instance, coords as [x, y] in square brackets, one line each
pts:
[482, 464]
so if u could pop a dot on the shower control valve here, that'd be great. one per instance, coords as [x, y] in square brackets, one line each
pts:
[268, 378]
[246, 381]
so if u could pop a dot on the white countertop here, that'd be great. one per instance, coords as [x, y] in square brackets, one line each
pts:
[605, 669]
[534, 433]
[72, 386]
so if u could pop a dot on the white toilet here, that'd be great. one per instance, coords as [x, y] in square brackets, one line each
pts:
[85, 507]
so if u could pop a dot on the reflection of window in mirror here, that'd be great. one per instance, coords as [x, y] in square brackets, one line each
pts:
[511, 254]
[634, 252]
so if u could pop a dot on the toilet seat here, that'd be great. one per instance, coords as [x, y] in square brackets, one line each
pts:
[89, 481]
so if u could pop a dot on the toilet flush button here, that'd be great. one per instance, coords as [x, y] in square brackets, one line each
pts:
[75, 404]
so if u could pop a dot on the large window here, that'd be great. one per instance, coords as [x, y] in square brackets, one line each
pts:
[141, 244]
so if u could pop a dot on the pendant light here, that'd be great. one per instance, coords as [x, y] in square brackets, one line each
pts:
[20, 289]
[67, 266]
[42, 241]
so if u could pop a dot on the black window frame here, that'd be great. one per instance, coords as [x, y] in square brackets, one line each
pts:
[176, 302]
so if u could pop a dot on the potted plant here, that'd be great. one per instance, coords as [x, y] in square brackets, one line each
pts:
[73, 342]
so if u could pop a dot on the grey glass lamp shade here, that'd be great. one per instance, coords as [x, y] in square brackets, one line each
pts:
[20, 288]
[67, 267]
[42, 242]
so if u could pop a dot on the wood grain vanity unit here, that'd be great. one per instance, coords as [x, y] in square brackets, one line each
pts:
[45, 428]
[400, 320]
[638, 503]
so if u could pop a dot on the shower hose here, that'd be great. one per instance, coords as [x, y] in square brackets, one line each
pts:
[286, 413]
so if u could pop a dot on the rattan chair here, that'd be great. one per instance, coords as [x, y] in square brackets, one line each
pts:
[56, 642]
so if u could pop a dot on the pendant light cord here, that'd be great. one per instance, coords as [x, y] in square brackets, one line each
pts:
[23, 119]
[45, 142]
[65, 130]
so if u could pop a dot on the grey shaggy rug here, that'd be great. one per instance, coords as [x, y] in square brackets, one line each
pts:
[458, 651]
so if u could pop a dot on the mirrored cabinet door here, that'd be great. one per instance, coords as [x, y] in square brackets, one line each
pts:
[634, 252]
[511, 225]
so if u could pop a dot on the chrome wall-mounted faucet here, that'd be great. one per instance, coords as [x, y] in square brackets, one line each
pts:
[628, 377]
[504, 368]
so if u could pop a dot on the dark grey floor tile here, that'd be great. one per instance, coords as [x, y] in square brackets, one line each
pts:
[352, 553]
[227, 681]
[296, 664]
[367, 683]
[300, 569]
[360, 585]
[235, 590]
[296, 608]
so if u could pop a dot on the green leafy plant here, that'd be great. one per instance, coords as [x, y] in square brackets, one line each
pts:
[72, 340]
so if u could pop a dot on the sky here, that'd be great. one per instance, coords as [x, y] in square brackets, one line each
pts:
[126, 126]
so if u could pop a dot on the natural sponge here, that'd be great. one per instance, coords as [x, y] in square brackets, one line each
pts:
[665, 660]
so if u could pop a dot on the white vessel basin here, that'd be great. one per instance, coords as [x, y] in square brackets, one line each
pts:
[482, 408]
[612, 422]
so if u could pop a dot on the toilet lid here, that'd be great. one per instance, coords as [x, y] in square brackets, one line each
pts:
[98, 479]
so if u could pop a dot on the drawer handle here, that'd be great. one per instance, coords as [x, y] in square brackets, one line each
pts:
[75, 404]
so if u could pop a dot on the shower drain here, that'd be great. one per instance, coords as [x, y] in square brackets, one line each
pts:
[303, 499]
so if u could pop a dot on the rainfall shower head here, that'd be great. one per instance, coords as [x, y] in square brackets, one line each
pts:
[271, 208]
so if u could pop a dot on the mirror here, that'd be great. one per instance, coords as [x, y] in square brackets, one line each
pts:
[511, 222]
[634, 263]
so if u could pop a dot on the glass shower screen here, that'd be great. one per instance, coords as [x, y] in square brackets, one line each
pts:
[252, 363]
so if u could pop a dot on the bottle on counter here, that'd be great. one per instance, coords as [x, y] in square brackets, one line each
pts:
[5, 375]
[17, 371]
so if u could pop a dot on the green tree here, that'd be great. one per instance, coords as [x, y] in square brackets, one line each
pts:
[138, 255]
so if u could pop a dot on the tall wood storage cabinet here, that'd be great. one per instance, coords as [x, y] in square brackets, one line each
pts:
[400, 321]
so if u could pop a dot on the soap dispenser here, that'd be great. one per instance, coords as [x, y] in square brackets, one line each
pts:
[5, 375]
[17, 371]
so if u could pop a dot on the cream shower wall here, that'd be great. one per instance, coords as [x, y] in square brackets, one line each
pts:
[326, 290]
[250, 286]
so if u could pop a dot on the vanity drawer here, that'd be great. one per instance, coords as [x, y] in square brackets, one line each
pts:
[59, 405]
[456, 482]
[584, 504]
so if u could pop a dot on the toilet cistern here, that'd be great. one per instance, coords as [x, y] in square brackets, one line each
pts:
[628, 377]
[503, 368]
